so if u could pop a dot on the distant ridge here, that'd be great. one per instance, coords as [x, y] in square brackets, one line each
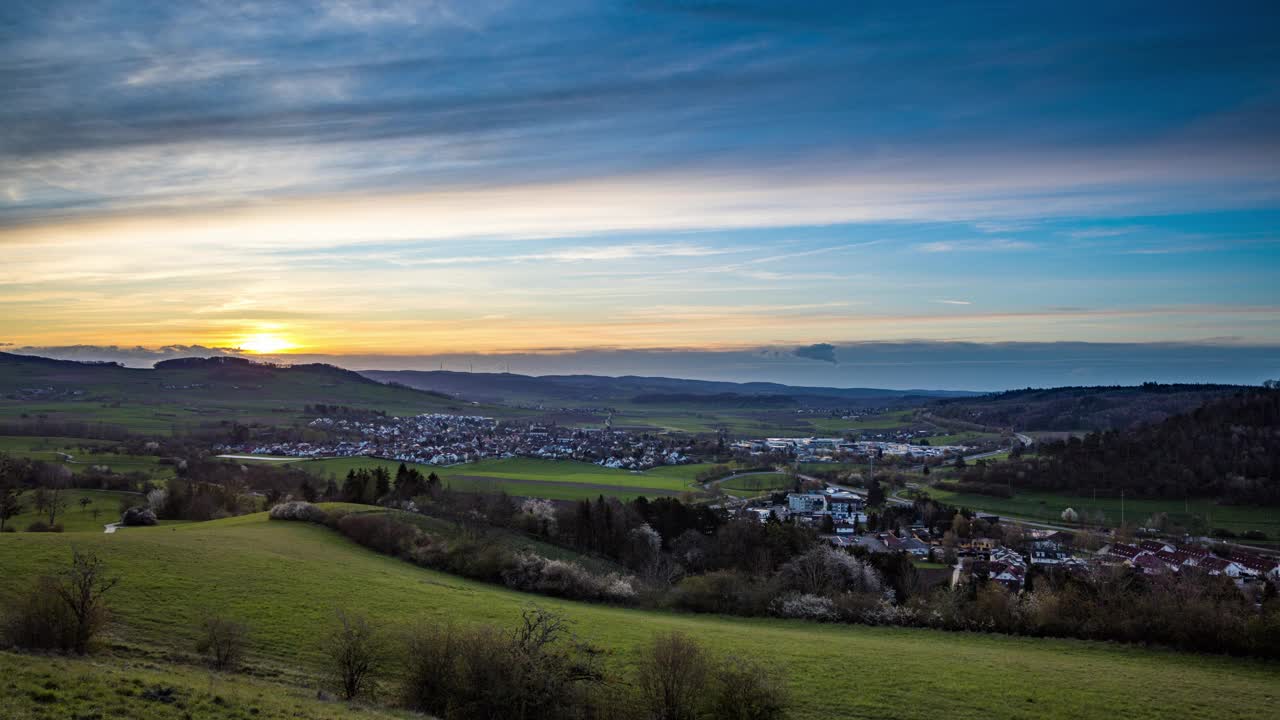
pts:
[508, 387]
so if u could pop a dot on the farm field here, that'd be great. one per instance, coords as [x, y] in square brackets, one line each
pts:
[285, 579]
[1049, 506]
[531, 477]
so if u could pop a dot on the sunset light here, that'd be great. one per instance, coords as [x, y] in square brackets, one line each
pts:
[265, 344]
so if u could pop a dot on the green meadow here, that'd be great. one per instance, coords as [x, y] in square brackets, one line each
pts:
[80, 454]
[285, 579]
[532, 477]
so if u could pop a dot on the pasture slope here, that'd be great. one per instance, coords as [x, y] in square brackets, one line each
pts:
[285, 579]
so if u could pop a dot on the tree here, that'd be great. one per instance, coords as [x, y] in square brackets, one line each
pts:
[382, 483]
[222, 641]
[356, 652]
[10, 504]
[82, 588]
[673, 677]
[875, 494]
[307, 492]
[85, 502]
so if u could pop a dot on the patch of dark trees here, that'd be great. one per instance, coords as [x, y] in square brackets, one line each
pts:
[1081, 408]
[1227, 449]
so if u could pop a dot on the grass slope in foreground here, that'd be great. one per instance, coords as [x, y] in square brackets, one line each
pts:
[100, 687]
[285, 578]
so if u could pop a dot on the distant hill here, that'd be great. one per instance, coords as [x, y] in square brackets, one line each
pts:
[597, 390]
[1229, 448]
[189, 393]
[1080, 408]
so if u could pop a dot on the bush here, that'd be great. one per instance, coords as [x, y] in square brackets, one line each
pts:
[42, 526]
[537, 672]
[356, 653]
[379, 531]
[534, 573]
[222, 641]
[8, 528]
[40, 620]
[672, 678]
[297, 510]
[139, 516]
[743, 689]
[805, 607]
[63, 612]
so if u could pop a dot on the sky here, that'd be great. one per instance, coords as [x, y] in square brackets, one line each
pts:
[697, 188]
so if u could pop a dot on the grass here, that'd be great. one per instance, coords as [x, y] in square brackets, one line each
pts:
[285, 579]
[758, 483]
[83, 454]
[77, 519]
[55, 687]
[532, 477]
[1049, 506]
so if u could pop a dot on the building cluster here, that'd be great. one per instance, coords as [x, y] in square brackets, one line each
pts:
[1155, 557]
[843, 508]
[438, 439]
[813, 449]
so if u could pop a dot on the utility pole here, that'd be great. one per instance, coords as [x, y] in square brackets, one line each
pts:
[1121, 508]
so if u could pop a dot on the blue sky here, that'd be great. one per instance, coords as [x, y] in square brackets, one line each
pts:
[411, 179]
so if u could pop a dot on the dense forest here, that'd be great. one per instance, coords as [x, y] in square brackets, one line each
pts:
[1080, 408]
[1229, 449]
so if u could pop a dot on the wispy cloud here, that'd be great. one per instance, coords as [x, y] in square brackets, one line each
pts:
[953, 302]
[995, 245]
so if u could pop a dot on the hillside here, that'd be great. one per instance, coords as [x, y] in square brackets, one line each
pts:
[597, 390]
[97, 399]
[285, 579]
[1076, 409]
[1227, 449]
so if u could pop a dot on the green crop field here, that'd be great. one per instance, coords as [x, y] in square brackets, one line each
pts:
[532, 477]
[1049, 506]
[285, 579]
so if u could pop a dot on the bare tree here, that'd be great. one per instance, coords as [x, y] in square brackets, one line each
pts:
[356, 652]
[222, 641]
[673, 677]
[82, 588]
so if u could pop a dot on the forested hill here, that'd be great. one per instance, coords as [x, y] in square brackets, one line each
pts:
[1081, 408]
[1228, 449]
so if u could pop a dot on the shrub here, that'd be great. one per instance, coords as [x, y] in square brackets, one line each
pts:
[63, 612]
[805, 607]
[743, 689]
[297, 510]
[138, 516]
[379, 531]
[39, 620]
[42, 526]
[672, 677]
[8, 528]
[356, 653]
[537, 672]
[222, 641]
[534, 573]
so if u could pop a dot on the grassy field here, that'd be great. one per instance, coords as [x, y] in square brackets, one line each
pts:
[285, 579]
[79, 454]
[53, 687]
[758, 483]
[77, 518]
[1049, 506]
[531, 477]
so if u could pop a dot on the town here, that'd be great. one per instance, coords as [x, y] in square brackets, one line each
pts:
[441, 439]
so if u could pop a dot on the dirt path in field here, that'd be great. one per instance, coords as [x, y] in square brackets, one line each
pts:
[601, 489]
